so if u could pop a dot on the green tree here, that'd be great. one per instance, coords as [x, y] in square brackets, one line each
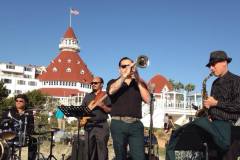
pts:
[3, 91]
[36, 98]
[3, 96]
[189, 87]
[179, 86]
[172, 82]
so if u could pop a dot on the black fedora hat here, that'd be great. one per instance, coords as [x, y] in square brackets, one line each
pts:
[218, 56]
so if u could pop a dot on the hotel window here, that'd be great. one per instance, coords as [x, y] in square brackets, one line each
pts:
[59, 60]
[28, 69]
[7, 80]
[69, 61]
[10, 66]
[55, 69]
[17, 92]
[68, 70]
[32, 83]
[27, 76]
[8, 91]
[82, 71]
[21, 82]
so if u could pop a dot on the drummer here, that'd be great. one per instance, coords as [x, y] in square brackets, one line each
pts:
[20, 112]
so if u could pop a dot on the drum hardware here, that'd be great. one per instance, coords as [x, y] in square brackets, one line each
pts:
[52, 131]
[19, 125]
[7, 133]
[4, 150]
[39, 137]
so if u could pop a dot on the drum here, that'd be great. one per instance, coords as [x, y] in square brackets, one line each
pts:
[6, 130]
[4, 150]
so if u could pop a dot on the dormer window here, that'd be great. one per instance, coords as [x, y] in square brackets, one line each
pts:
[82, 71]
[68, 70]
[78, 62]
[69, 60]
[59, 60]
[55, 69]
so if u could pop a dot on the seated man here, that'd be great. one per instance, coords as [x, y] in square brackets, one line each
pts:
[20, 113]
[223, 107]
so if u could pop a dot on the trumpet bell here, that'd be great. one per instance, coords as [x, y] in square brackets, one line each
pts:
[142, 61]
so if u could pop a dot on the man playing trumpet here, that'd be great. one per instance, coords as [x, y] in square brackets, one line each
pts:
[127, 93]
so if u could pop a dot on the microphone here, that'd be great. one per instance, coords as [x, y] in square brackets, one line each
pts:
[9, 115]
[151, 87]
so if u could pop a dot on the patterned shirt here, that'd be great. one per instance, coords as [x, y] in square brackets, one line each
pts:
[226, 90]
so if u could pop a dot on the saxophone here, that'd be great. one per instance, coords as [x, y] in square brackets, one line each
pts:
[203, 112]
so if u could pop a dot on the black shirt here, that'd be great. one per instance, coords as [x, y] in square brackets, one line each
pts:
[98, 113]
[127, 101]
[15, 125]
[226, 90]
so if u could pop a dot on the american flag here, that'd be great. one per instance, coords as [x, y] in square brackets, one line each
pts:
[74, 12]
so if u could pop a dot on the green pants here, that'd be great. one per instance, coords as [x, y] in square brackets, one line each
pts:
[128, 133]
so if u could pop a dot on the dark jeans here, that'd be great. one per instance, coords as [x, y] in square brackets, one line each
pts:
[128, 133]
[98, 138]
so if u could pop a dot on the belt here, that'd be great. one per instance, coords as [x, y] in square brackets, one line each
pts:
[97, 121]
[126, 119]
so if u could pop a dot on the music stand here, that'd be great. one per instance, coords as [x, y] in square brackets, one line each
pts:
[77, 112]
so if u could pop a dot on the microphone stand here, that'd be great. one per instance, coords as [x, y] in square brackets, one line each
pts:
[151, 122]
[22, 134]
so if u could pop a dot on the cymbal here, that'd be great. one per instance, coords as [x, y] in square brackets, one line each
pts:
[9, 135]
[41, 125]
[54, 129]
[35, 109]
[37, 134]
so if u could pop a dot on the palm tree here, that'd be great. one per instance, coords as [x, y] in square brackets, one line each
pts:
[179, 86]
[189, 87]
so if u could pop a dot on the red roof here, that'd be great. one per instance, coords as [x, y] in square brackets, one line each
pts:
[69, 33]
[160, 82]
[60, 92]
[67, 66]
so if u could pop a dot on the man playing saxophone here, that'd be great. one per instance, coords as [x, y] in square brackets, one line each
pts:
[224, 102]
[222, 108]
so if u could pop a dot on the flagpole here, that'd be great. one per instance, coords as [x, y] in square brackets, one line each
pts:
[70, 18]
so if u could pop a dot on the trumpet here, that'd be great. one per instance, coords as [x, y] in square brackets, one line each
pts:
[142, 61]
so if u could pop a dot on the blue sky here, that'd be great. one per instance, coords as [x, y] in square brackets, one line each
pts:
[177, 35]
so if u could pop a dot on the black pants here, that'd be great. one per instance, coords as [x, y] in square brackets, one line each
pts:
[32, 148]
[96, 139]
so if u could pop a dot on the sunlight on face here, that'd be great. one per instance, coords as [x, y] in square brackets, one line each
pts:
[219, 68]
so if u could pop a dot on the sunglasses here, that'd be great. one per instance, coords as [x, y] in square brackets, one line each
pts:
[19, 101]
[124, 66]
[94, 83]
